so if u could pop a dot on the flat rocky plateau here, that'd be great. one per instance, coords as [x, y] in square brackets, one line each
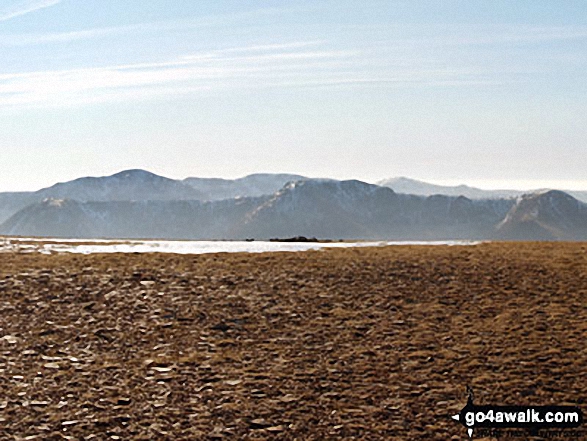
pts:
[363, 343]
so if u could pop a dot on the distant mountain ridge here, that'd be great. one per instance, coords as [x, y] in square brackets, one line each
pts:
[141, 185]
[355, 209]
[128, 185]
[252, 185]
[139, 204]
[130, 219]
[323, 208]
[414, 186]
[552, 215]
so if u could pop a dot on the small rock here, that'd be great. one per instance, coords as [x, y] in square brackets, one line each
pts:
[52, 366]
[47, 358]
[259, 423]
[162, 369]
[10, 339]
[279, 428]
[39, 403]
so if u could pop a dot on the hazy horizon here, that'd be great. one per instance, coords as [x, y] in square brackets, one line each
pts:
[491, 95]
[483, 185]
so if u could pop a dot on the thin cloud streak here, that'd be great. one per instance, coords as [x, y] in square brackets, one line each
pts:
[31, 39]
[59, 37]
[458, 35]
[25, 7]
[191, 73]
[486, 33]
[270, 66]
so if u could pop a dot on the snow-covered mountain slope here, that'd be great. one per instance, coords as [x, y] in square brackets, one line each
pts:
[355, 209]
[252, 185]
[551, 215]
[129, 185]
[130, 219]
[51, 217]
[320, 208]
[413, 186]
[141, 185]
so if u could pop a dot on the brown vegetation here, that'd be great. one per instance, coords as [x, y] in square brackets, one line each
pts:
[369, 344]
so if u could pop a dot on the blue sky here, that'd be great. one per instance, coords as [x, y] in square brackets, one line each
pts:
[491, 93]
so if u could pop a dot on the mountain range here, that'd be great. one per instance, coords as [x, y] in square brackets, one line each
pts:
[140, 204]
[413, 186]
[252, 185]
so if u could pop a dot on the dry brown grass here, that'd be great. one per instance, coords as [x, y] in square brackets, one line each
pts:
[369, 344]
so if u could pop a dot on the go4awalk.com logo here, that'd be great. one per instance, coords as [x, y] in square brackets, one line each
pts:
[533, 418]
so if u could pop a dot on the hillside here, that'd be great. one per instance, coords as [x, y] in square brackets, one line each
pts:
[355, 209]
[321, 208]
[552, 215]
[130, 219]
[11, 203]
[252, 185]
[128, 185]
[141, 185]
[139, 204]
[414, 186]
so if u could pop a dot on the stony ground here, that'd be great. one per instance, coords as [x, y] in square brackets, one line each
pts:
[365, 344]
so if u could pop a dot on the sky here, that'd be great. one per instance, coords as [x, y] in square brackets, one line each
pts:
[488, 93]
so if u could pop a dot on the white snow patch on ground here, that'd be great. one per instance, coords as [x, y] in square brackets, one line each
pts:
[92, 246]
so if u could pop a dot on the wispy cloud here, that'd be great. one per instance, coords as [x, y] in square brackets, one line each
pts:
[25, 7]
[240, 68]
[57, 37]
[437, 59]
[210, 21]
[284, 65]
[468, 34]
